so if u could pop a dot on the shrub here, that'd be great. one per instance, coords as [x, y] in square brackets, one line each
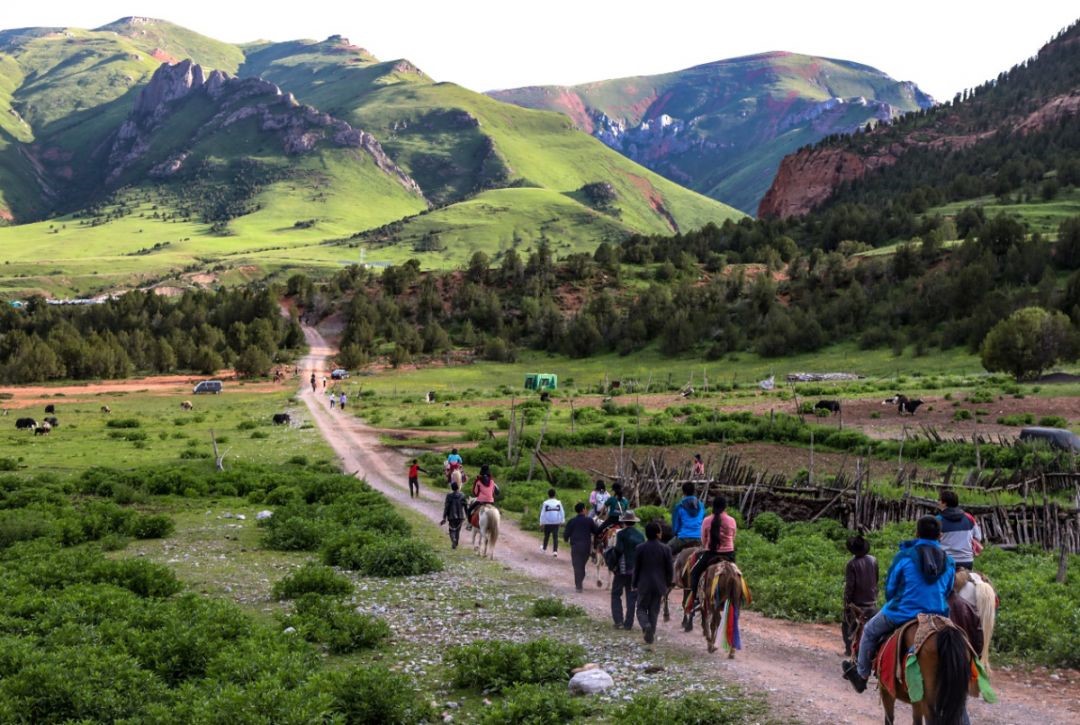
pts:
[694, 708]
[247, 425]
[496, 665]
[122, 423]
[1053, 421]
[769, 525]
[648, 513]
[312, 579]
[962, 414]
[376, 696]
[1016, 419]
[293, 533]
[138, 576]
[554, 607]
[982, 396]
[298, 460]
[338, 626]
[535, 705]
[259, 435]
[8, 464]
[155, 526]
[399, 557]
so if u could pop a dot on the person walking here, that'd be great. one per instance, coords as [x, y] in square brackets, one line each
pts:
[961, 536]
[686, 518]
[313, 382]
[414, 479]
[324, 382]
[551, 518]
[626, 543]
[860, 589]
[333, 399]
[579, 532]
[341, 400]
[654, 570]
[454, 513]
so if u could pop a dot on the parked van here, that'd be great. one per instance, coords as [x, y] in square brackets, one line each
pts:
[1059, 438]
[208, 386]
[339, 374]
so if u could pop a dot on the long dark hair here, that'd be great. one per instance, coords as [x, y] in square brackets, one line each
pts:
[485, 474]
[718, 505]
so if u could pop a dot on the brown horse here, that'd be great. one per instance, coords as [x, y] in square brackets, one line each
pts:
[945, 662]
[601, 543]
[721, 584]
[682, 581]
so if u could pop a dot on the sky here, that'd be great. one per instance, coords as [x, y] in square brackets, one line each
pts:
[944, 45]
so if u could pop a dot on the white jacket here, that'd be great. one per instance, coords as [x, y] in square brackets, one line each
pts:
[551, 512]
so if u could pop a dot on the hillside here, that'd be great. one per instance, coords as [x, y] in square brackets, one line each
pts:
[722, 128]
[1013, 135]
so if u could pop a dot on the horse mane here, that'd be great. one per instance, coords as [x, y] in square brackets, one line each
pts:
[985, 606]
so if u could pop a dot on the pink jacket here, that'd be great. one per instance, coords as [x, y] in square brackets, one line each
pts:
[726, 540]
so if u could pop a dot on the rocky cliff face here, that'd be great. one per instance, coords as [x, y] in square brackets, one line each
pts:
[299, 128]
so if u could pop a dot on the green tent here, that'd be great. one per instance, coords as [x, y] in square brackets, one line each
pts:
[541, 381]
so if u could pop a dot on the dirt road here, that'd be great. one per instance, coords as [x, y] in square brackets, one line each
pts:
[797, 666]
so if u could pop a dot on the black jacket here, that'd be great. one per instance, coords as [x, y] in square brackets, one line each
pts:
[579, 532]
[654, 568]
[454, 508]
[861, 581]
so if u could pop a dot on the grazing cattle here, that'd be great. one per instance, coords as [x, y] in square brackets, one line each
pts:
[50, 408]
[282, 419]
[187, 405]
[51, 420]
[908, 406]
[106, 409]
[545, 397]
[25, 424]
[42, 430]
[430, 397]
[833, 406]
[894, 400]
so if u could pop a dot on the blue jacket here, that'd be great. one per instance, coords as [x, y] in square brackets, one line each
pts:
[686, 518]
[919, 581]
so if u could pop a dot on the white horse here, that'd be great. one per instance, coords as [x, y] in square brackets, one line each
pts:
[976, 591]
[457, 476]
[488, 530]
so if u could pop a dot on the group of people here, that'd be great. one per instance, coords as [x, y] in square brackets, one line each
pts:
[339, 399]
[457, 509]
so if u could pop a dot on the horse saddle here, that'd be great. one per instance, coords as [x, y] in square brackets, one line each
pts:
[889, 661]
[474, 520]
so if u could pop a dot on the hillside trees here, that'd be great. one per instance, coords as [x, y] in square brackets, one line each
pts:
[1028, 342]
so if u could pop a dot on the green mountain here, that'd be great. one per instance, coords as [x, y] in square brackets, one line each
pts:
[722, 128]
[273, 155]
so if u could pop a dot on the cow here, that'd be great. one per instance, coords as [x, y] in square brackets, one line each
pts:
[42, 430]
[908, 406]
[106, 409]
[186, 405]
[430, 397]
[50, 408]
[25, 424]
[545, 397]
[282, 419]
[833, 406]
[51, 420]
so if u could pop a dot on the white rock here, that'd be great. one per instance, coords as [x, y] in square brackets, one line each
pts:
[226, 515]
[289, 630]
[241, 517]
[263, 515]
[590, 682]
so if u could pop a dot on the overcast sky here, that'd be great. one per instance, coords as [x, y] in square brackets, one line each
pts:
[944, 45]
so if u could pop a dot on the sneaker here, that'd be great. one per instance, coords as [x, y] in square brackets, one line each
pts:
[851, 674]
[555, 554]
[542, 549]
[650, 635]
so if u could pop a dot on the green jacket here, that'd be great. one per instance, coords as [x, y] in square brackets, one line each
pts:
[626, 543]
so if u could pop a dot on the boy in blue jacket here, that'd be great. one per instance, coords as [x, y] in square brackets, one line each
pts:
[686, 518]
[919, 582]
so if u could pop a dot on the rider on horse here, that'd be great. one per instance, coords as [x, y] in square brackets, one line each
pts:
[961, 536]
[686, 518]
[615, 506]
[718, 539]
[484, 491]
[453, 461]
[598, 498]
[919, 582]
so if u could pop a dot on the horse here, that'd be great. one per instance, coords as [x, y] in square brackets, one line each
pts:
[976, 590]
[487, 529]
[601, 543]
[682, 581]
[457, 475]
[944, 660]
[720, 595]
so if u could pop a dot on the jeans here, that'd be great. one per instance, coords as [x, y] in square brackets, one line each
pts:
[648, 608]
[579, 558]
[551, 530]
[874, 633]
[620, 583]
[454, 527]
[414, 485]
[678, 544]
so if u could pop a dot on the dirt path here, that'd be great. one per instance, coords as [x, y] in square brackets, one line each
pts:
[796, 665]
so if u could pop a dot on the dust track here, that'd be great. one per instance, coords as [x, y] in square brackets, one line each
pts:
[797, 666]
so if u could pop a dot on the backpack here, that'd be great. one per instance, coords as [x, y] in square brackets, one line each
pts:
[611, 559]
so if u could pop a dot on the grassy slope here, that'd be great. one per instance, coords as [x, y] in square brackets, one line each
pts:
[739, 102]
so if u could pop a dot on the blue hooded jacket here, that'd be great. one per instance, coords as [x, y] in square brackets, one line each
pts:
[919, 581]
[686, 518]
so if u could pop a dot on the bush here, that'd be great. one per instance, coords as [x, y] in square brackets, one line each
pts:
[962, 414]
[554, 607]
[293, 533]
[694, 708]
[1053, 421]
[247, 425]
[338, 626]
[496, 665]
[122, 423]
[535, 705]
[156, 526]
[376, 696]
[398, 557]
[312, 579]
[648, 513]
[138, 576]
[1016, 419]
[769, 525]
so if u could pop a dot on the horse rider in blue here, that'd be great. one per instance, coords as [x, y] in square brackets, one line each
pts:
[919, 582]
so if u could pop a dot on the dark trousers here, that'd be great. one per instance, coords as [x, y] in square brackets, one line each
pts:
[648, 608]
[704, 561]
[551, 530]
[969, 565]
[579, 558]
[414, 485]
[454, 527]
[849, 625]
[619, 584]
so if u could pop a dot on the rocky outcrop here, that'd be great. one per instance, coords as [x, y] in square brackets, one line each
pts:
[300, 128]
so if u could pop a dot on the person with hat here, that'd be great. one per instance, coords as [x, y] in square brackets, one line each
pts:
[626, 543]
[860, 589]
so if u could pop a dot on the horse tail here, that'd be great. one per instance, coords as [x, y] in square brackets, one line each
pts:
[493, 527]
[986, 606]
[953, 673]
